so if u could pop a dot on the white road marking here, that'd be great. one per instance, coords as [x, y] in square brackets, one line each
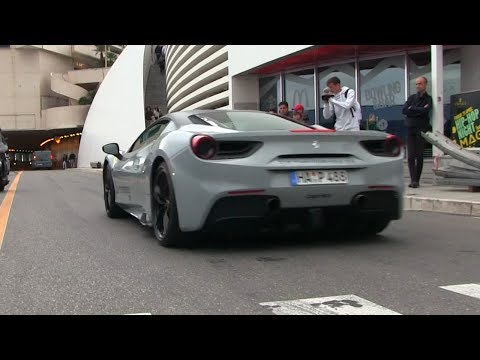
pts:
[139, 314]
[472, 290]
[332, 305]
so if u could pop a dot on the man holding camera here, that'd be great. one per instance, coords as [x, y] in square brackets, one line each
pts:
[340, 101]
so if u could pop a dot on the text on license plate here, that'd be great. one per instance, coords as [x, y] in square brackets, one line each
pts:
[315, 177]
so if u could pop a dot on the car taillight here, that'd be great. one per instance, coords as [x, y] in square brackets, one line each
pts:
[391, 146]
[51, 157]
[204, 146]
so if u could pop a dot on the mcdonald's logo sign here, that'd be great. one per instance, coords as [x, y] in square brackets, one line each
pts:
[298, 97]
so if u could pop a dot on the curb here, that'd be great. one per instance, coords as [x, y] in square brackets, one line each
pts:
[445, 206]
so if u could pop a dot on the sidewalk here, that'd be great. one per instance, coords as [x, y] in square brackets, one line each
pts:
[443, 199]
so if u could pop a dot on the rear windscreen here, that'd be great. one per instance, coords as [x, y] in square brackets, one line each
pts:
[42, 155]
[250, 121]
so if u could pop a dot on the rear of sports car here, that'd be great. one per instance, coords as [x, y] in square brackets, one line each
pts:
[313, 177]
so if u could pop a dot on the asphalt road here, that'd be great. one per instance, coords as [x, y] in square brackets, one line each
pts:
[61, 254]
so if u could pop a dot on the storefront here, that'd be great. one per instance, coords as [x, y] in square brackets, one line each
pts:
[382, 76]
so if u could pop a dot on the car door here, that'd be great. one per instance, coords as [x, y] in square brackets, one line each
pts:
[146, 164]
[125, 172]
[143, 159]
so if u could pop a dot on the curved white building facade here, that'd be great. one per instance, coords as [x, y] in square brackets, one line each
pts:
[197, 77]
[117, 111]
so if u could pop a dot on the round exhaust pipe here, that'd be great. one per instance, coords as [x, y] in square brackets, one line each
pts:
[360, 201]
[272, 205]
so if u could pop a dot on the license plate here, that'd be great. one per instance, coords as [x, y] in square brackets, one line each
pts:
[318, 177]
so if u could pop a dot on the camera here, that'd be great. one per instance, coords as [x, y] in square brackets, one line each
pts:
[325, 97]
[327, 94]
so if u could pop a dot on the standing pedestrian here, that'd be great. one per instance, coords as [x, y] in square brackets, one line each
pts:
[71, 160]
[417, 120]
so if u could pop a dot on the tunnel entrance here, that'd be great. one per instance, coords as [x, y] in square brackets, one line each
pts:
[22, 144]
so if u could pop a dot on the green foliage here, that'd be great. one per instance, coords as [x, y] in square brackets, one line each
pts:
[111, 56]
[84, 100]
[87, 100]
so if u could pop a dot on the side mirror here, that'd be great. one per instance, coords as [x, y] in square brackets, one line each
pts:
[112, 149]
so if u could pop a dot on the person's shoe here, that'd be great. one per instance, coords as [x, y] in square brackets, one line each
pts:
[410, 185]
[415, 185]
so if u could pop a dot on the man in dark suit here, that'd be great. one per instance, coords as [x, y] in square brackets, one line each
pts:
[417, 119]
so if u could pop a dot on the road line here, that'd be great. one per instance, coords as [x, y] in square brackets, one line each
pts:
[139, 314]
[332, 305]
[6, 206]
[472, 290]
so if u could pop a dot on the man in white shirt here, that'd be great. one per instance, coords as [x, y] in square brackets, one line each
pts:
[342, 104]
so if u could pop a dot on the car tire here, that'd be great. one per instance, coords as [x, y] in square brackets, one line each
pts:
[112, 209]
[164, 210]
[371, 224]
[3, 183]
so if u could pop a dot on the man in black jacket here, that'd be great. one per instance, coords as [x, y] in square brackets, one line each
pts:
[417, 110]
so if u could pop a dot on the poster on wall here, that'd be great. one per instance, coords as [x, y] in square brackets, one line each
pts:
[387, 119]
[465, 108]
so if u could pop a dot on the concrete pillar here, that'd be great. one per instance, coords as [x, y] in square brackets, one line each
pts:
[437, 92]
[282, 87]
[470, 68]
[316, 91]
[245, 92]
[407, 76]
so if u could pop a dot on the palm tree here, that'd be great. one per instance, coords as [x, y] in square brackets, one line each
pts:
[102, 50]
[110, 55]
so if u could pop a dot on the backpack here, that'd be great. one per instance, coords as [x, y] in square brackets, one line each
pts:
[356, 109]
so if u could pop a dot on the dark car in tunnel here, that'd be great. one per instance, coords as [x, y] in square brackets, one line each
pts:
[4, 162]
[42, 160]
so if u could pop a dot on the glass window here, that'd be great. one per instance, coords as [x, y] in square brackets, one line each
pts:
[382, 94]
[153, 132]
[451, 74]
[420, 65]
[451, 85]
[269, 88]
[250, 121]
[42, 155]
[382, 82]
[147, 136]
[345, 72]
[137, 144]
[299, 89]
